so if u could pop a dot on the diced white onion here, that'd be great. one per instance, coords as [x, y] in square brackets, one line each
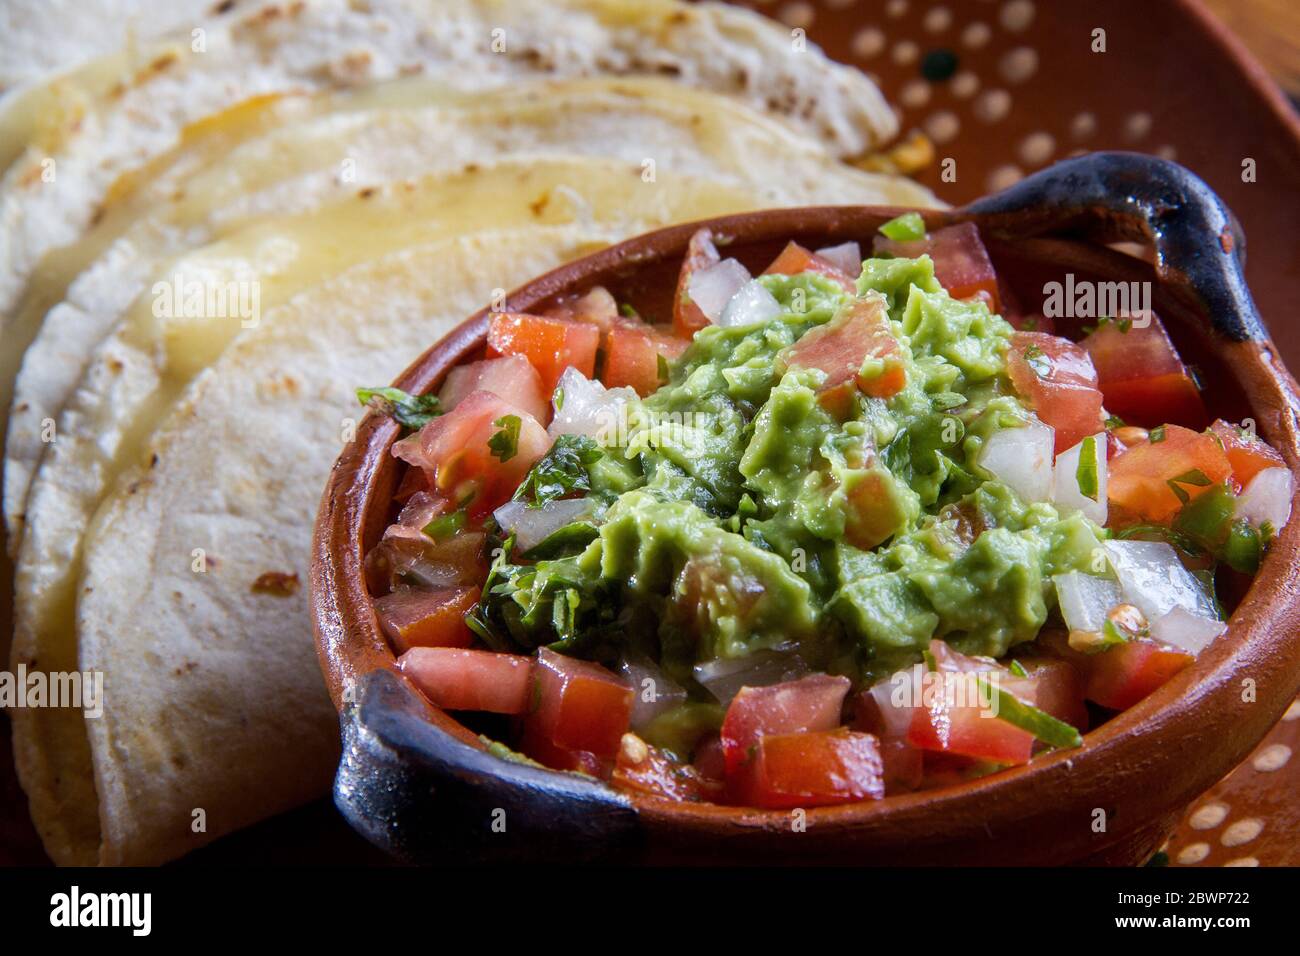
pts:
[712, 288]
[586, 407]
[1021, 458]
[723, 678]
[1085, 600]
[1181, 629]
[749, 306]
[847, 257]
[1267, 498]
[654, 692]
[1153, 580]
[531, 526]
[1066, 493]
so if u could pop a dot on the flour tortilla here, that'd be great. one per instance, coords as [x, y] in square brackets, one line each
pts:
[213, 695]
[38, 37]
[103, 130]
[221, 181]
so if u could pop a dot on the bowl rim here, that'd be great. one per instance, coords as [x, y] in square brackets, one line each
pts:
[1200, 703]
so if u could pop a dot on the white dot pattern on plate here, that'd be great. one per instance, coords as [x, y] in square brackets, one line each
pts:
[867, 43]
[1037, 148]
[965, 84]
[1137, 125]
[976, 35]
[1083, 125]
[993, 105]
[1004, 176]
[1292, 712]
[938, 19]
[838, 4]
[1193, 853]
[1017, 15]
[1243, 861]
[1209, 816]
[1272, 758]
[1242, 831]
[1167, 152]
[914, 93]
[905, 51]
[896, 8]
[943, 126]
[1019, 64]
[798, 14]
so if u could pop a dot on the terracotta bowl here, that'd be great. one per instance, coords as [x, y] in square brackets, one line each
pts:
[419, 784]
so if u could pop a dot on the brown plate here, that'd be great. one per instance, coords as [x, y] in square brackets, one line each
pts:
[420, 785]
[1140, 95]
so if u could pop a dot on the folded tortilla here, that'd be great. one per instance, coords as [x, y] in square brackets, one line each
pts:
[108, 118]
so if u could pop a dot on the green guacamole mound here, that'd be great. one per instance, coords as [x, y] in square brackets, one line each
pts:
[730, 517]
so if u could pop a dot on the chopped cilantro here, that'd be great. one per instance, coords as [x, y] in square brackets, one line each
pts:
[1196, 478]
[504, 445]
[1037, 360]
[561, 470]
[412, 412]
[444, 526]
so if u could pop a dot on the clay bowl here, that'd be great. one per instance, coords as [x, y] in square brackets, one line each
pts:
[422, 786]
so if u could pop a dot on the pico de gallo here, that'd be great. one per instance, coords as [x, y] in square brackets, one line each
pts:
[753, 551]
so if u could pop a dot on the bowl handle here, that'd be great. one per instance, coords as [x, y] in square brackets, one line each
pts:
[426, 796]
[1199, 247]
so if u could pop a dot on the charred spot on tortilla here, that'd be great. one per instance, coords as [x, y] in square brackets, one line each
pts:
[276, 583]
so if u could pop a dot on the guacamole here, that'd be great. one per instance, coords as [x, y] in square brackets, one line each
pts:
[729, 500]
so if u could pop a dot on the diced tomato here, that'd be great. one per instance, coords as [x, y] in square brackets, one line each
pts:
[632, 354]
[550, 344]
[961, 263]
[459, 462]
[512, 377]
[810, 703]
[903, 765]
[709, 758]
[1247, 454]
[1057, 690]
[1121, 676]
[581, 708]
[597, 307]
[641, 768]
[462, 679]
[813, 769]
[841, 346]
[1143, 479]
[1058, 380]
[873, 512]
[1142, 377]
[953, 713]
[700, 254]
[795, 259]
[417, 618]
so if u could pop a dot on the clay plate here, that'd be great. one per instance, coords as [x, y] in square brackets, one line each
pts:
[421, 786]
